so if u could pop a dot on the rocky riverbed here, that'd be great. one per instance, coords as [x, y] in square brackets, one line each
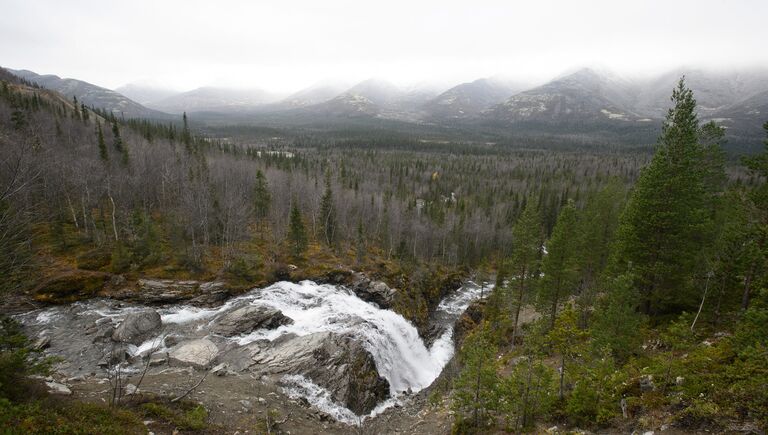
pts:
[333, 351]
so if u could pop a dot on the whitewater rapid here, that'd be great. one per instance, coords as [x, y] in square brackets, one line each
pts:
[400, 354]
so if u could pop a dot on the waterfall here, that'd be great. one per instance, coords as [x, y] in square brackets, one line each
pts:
[398, 351]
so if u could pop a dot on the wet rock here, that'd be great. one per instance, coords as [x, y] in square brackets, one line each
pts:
[471, 317]
[58, 388]
[165, 291]
[372, 291]
[196, 353]
[117, 354]
[42, 343]
[249, 318]
[171, 340]
[100, 332]
[137, 327]
[336, 362]
[211, 299]
[213, 293]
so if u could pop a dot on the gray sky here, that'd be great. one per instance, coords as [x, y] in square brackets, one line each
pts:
[284, 45]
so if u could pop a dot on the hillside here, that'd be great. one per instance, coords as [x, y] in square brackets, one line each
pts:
[92, 95]
[469, 99]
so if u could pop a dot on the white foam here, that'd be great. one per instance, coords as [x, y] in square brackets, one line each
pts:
[295, 386]
[181, 315]
[397, 349]
[45, 317]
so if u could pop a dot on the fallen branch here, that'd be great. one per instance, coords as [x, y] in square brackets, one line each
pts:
[191, 389]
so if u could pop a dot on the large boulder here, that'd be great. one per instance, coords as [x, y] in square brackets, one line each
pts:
[137, 327]
[368, 290]
[469, 320]
[249, 318]
[166, 291]
[338, 363]
[198, 353]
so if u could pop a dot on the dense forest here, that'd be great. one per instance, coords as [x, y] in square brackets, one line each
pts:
[647, 270]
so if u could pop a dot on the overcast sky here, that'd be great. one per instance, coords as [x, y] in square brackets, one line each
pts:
[284, 45]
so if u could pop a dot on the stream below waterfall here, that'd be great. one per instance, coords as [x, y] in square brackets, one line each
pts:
[399, 353]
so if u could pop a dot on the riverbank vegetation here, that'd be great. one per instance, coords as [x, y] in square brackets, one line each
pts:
[653, 303]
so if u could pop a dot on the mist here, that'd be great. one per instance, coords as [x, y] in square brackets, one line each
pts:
[287, 46]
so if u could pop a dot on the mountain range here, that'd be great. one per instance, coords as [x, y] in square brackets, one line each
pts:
[585, 100]
[92, 95]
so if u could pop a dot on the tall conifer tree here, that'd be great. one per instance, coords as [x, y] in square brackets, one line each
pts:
[669, 214]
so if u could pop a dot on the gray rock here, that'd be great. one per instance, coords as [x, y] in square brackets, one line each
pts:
[158, 359]
[130, 390]
[101, 332]
[646, 383]
[212, 286]
[196, 353]
[58, 388]
[372, 291]
[249, 318]
[336, 362]
[220, 370]
[42, 343]
[171, 340]
[165, 291]
[137, 327]
[117, 354]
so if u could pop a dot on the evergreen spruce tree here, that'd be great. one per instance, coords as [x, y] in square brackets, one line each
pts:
[186, 136]
[328, 214]
[526, 252]
[360, 243]
[597, 228]
[617, 324]
[757, 255]
[262, 199]
[567, 339]
[297, 233]
[559, 265]
[117, 142]
[103, 153]
[476, 387]
[667, 221]
[76, 111]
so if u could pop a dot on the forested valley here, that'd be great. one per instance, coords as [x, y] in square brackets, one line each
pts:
[628, 287]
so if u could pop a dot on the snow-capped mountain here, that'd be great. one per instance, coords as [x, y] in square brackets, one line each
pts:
[469, 99]
[586, 95]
